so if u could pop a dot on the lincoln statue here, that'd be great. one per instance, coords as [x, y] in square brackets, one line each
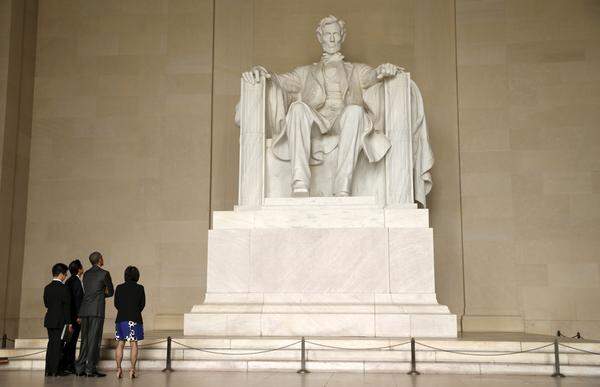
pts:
[317, 108]
[330, 102]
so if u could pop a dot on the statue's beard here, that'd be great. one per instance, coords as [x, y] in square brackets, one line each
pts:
[331, 49]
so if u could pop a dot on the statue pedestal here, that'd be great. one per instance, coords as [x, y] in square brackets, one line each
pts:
[321, 266]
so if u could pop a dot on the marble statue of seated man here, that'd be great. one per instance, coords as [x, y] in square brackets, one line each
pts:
[316, 108]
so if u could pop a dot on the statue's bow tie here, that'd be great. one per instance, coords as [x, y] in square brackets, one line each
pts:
[326, 58]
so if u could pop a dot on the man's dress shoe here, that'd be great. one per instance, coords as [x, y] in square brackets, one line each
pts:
[95, 374]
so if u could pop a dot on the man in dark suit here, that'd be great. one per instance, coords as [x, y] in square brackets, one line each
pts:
[58, 302]
[75, 287]
[97, 285]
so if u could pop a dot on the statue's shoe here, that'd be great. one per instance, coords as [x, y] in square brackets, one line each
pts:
[300, 192]
[299, 189]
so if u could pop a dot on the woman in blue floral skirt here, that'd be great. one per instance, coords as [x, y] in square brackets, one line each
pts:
[130, 300]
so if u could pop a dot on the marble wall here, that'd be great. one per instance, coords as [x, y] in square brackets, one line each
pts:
[529, 110]
[120, 158]
[133, 142]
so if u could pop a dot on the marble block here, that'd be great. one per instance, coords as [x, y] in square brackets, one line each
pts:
[322, 212]
[321, 267]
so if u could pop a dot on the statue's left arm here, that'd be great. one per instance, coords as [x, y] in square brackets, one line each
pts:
[369, 76]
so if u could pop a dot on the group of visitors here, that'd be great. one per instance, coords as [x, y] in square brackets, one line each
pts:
[76, 307]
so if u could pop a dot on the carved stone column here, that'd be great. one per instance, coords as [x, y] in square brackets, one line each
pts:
[398, 161]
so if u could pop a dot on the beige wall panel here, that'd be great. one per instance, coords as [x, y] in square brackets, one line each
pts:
[120, 156]
[17, 55]
[434, 70]
[5, 200]
[526, 96]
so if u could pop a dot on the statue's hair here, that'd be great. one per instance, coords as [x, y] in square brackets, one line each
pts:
[331, 20]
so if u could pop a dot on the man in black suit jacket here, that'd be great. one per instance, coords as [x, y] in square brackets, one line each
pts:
[97, 285]
[58, 302]
[75, 287]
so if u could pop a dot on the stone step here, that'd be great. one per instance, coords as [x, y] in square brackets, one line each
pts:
[317, 366]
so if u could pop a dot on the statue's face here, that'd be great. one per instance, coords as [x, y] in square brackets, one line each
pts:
[331, 38]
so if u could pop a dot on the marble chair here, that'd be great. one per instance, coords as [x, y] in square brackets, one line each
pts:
[390, 181]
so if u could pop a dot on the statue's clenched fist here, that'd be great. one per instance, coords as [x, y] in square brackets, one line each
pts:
[387, 70]
[253, 76]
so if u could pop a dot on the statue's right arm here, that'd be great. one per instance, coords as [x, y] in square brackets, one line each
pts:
[290, 82]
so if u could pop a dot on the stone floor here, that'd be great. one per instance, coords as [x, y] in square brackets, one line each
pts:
[240, 379]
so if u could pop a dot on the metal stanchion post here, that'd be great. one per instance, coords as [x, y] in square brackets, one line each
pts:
[556, 361]
[168, 365]
[413, 358]
[4, 360]
[303, 369]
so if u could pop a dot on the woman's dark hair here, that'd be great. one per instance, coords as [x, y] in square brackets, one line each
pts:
[75, 266]
[132, 274]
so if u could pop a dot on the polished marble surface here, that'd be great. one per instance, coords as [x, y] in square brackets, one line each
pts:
[242, 379]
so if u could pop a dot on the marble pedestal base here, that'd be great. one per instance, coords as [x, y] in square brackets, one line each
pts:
[321, 267]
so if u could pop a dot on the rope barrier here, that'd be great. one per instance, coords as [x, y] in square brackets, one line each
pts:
[485, 354]
[303, 369]
[101, 347]
[236, 354]
[357, 349]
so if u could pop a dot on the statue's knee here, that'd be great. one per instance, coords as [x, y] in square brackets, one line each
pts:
[354, 110]
[297, 107]
[296, 118]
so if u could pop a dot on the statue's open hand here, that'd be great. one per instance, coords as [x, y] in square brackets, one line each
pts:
[253, 76]
[387, 70]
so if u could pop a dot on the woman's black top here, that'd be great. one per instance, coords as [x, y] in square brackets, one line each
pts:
[130, 300]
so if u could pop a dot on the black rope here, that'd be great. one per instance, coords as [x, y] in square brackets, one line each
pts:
[235, 354]
[579, 349]
[150, 344]
[485, 354]
[358, 349]
[25, 355]
[111, 346]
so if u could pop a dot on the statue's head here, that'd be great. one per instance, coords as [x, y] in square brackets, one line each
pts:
[331, 32]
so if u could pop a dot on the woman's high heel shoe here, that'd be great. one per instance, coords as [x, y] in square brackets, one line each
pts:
[132, 374]
[119, 373]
